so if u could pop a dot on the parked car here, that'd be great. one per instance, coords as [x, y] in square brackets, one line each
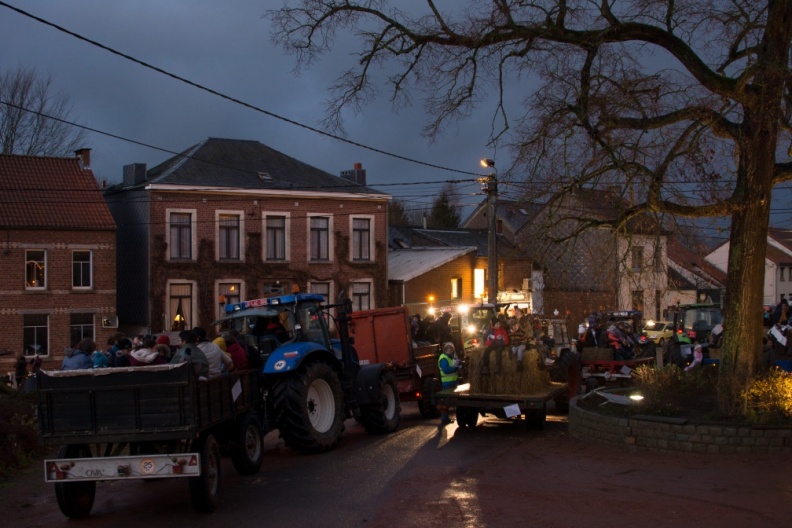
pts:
[659, 331]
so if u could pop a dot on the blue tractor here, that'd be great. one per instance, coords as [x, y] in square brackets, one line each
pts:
[312, 378]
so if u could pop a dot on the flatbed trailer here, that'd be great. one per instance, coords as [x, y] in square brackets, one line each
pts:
[147, 423]
[597, 373]
[470, 405]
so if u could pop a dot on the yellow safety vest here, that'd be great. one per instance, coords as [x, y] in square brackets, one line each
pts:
[447, 378]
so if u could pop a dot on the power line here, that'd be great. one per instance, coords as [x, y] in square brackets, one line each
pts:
[227, 97]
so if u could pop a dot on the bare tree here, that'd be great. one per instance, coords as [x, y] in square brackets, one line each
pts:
[686, 105]
[27, 105]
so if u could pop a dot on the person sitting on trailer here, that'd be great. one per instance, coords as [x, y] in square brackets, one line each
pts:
[190, 353]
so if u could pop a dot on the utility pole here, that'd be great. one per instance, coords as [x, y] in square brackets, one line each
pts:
[490, 186]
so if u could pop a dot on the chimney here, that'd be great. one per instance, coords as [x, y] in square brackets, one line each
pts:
[357, 174]
[134, 174]
[85, 157]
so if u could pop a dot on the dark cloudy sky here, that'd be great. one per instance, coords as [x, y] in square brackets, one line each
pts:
[224, 46]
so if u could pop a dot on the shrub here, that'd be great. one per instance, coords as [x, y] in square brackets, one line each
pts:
[769, 398]
[19, 440]
[669, 389]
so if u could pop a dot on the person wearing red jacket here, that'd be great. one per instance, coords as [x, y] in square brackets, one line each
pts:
[497, 338]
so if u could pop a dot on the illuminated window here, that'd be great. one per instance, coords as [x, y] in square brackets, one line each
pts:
[35, 269]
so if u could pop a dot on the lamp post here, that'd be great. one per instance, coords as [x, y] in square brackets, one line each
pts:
[490, 186]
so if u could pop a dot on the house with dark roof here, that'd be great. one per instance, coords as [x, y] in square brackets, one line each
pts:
[778, 264]
[691, 278]
[58, 256]
[589, 264]
[449, 265]
[227, 220]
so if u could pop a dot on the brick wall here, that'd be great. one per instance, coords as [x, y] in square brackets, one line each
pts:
[645, 433]
[206, 270]
[578, 305]
[58, 300]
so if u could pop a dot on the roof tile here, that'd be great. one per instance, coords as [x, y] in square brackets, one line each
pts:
[52, 193]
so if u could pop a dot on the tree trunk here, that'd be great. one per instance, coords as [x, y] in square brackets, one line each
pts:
[748, 243]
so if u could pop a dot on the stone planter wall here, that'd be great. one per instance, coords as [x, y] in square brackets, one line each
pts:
[653, 433]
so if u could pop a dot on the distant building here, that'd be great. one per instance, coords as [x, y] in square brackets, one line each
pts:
[691, 278]
[450, 265]
[587, 264]
[778, 264]
[58, 256]
[228, 220]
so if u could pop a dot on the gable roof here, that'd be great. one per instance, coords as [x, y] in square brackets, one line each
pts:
[50, 193]
[247, 164]
[406, 264]
[515, 213]
[683, 257]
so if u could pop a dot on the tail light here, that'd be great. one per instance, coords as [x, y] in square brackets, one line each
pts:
[691, 334]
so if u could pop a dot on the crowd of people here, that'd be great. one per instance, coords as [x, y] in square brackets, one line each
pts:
[223, 354]
[501, 334]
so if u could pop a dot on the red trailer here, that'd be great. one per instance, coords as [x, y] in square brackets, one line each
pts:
[383, 336]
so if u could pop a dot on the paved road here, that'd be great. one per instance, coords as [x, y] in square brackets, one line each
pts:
[497, 475]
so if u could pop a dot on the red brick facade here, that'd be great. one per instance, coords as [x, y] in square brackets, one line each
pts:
[57, 255]
[58, 300]
[205, 274]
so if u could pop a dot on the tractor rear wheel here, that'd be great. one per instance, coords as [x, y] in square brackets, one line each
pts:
[309, 408]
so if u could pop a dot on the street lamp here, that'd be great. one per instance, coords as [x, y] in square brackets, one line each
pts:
[490, 186]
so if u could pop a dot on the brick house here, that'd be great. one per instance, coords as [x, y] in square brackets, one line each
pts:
[58, 256]
[450, 265]
[228, 220]
[596, 268]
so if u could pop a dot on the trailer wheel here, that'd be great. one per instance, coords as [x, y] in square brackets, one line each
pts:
[248, 452]
[427, 405]
[75, 499]
[309, 408]
[535, 419]
[383, 417]
[467, 416]
[204, 488]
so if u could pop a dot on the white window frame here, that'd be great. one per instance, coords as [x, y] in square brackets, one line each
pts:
[287, 234]
[241, 293]
[47, 352]
[330, 290]
[241, 217]
[90, 269]
[352, 246]
[370, 282]
[27, 260]
[93, 323]
[330, 238]
[193, 233]
[170, 314]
